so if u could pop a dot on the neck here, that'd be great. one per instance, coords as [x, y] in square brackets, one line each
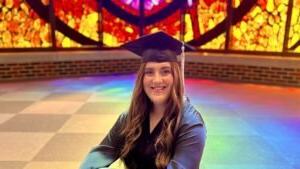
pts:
[158, 109]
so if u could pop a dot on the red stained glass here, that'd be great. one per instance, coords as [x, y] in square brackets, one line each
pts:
[116, 31]
[171, 25]
[80, 15]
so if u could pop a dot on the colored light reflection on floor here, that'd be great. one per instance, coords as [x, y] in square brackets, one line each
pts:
[249, 126]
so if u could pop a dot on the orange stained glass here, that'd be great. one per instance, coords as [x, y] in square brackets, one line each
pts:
[202, 17]
[21, 27]
[262, 29]
[294, 32]
[170, 25]
[117, 31]
[80, 15]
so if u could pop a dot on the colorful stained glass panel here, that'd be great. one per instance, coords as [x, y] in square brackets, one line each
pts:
[21, 27]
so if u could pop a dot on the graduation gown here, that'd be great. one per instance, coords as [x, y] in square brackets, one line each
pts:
[188, 145]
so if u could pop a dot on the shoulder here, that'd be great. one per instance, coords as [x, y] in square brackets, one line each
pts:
[192, 127]
[120, 122]
[122, 118]
[190, 115]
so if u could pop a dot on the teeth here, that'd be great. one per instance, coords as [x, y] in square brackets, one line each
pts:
[159, 88]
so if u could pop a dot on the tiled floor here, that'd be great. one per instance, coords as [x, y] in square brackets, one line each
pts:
[52, 124]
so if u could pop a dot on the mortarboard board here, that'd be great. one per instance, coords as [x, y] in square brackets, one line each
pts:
[157, 47]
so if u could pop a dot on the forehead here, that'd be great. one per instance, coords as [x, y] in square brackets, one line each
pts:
[158, 65]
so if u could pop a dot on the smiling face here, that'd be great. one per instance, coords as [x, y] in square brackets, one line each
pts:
[158, 81]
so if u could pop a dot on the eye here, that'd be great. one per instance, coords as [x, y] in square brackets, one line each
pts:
[166, 72]
[148, 72]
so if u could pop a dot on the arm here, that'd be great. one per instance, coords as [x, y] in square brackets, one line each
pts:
[107, 152]
[189, 147]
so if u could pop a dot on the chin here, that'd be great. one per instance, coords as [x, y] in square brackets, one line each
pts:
[158, 99]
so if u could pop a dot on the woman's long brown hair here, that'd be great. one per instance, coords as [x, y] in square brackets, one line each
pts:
[140, 107]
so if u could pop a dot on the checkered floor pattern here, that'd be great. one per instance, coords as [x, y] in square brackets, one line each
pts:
[52, 124]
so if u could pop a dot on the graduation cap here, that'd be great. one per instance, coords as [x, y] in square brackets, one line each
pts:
[159, 47]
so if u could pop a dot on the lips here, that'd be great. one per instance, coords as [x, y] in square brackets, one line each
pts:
[158, 89]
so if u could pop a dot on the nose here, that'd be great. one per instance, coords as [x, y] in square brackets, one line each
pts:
[157, 78]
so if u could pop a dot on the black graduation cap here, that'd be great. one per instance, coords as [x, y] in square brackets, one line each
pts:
[157, 47]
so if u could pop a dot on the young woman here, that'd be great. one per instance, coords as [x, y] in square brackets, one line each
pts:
[161, 129]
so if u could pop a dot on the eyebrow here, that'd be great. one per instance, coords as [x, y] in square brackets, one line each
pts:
[164, 67]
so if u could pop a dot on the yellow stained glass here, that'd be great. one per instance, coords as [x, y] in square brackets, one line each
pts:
[201, 18]
[216, 43]
[64, 41]
[262, 29]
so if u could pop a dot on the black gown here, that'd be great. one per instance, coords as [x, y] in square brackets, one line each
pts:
[188, 146]
[143, 153]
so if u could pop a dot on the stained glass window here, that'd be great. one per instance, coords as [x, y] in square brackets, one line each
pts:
[261, 29]
[21, 27]
[256, 25]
